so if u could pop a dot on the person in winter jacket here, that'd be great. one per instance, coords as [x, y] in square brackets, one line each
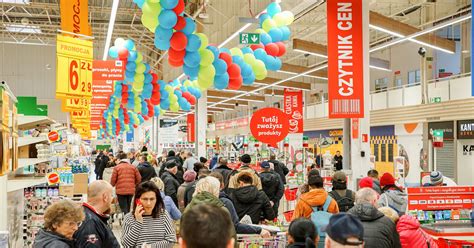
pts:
[314, 198]
[368, 182]
[189, 177]
[146, 170]
[379, 230]
[244, 168]
[390, 213]
[61, 220]
[224, 170]
[304, 188]
[344, 197]
[94, 231]
[172, 210]
[125, 178]
[344, 230]
[189, 191]
[302, 233]
[97, 164]
[248, 200]
[279, 168]
[189, 162]
[171, 181]
[392, 196]
[374, 174]
[272, 185]
[214, 161]
[411, 234]
[207, 192]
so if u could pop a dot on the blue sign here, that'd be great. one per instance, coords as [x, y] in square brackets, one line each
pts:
[129, 136]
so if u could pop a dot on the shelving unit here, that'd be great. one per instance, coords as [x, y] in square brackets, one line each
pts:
[18, 183]
[24, 141]
[30, 122]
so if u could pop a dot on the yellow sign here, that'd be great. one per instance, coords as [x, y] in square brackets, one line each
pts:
[74, 68]
[14, 119]
[71, 104]
[74, 16]
[80, 114]
[5, 108]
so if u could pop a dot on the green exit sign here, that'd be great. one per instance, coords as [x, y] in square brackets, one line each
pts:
[436, 99]
[438, 133]
[249, 38]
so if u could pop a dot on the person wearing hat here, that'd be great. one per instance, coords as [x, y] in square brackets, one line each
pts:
[374, 174]
[436, 178]
[271, 185]
[344, 197]
[245, 167]
[171, 181]
[392, 196]
[344, 230]
[189, 177]
[379, 230]
[368, 182]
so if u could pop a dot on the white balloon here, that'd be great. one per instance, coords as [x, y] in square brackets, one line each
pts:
[119, 42]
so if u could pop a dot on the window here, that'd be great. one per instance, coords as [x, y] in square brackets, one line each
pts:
[390, 152]
[383, 152]
[414, 77]
[398, 82]
[376, 152]
[381, 84]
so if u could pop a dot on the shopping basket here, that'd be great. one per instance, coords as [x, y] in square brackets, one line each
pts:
[288, 215]
[256, 241]
[452, 243]
[290, 194]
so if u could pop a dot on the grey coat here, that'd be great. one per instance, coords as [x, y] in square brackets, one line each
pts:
[46, 239]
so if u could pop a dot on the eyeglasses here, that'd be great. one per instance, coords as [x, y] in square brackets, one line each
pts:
[73, 223]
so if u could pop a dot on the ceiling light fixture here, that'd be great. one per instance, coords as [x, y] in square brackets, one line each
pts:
[312, 53]
[113, 14]
[379, 68]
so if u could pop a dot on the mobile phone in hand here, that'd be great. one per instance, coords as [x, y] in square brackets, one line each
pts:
[138, 202]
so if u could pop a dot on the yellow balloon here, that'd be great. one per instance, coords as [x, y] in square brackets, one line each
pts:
[289, 17]
[204, 83]
[137, 109]
[140, 68]
[268, 24]
[249, 58]
[208, 72]
[235, 51]
[138, 88]
[174, 107]
[280, 19]
[149, 21]
[151, 9]
[207, 57]
[139, 77]
[188, 83]
[139, 57]
[204, 40]
[259, 31]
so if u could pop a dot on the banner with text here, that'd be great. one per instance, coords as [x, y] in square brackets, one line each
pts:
[108, 70]
[269, 125]
[101, 92]
[345, 59]
[440, 198]
[293, 107]
[191, 126]
[74, 16]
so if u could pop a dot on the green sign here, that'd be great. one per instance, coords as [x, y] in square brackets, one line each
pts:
[436, 99]
[249, 38]
[438, 133]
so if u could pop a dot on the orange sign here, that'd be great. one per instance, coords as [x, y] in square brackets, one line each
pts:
[53, 178]
[108, 70]
[345, 59]
[74, 16]
[53, 136]
[355, 128]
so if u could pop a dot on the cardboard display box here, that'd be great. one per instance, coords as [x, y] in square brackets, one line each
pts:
[66, 190]
[81, 181]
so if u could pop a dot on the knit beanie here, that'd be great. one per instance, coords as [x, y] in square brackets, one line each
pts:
[436, 178]
[366, 182]
[189, 176]
[387, 179]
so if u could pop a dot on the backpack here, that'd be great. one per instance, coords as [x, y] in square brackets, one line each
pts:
[320, 216]
[343, 202]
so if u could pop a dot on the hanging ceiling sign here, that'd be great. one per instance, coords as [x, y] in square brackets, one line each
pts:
[269, 125]
[293, 107]
[74, 16]
[108, 70]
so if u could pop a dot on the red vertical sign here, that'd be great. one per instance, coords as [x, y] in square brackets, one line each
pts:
[191, 131]
[293, 107]
[355, 128]
[345, 61]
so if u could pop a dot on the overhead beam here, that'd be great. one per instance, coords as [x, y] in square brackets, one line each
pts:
[290, 84]
[300, 69]
[233, 102]
[224, 95]
[310, 47]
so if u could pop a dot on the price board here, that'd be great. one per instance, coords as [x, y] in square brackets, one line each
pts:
[74, 68]
[71, 104]
[80, 114]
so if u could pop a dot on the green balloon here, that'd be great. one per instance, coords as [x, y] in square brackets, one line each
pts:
[235, 51]
[139, 57]
[208, 72]
[150, 21]
[268, 24]
[188, 83]
[204, 40]
[174, 107]
[138, 77]
[152, 9]
[207, 57]
[204, 83]
[140, 68]
[137, 109]
[249, 58]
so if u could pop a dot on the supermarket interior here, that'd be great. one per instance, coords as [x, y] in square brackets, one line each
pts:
[309, 123]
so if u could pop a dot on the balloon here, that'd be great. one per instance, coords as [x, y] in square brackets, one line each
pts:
[132, 56]
[151, 9]
[176, 55]
[178, 41]
[139, 57]
[246, 50]
[180, 7]
[238, 60]
[221, 81]
[286, 33]
[162, 44]
[192, 72]
[221, 66]
[265, 38]
[276, 34]
[281, 48]
[246, 70]
[280, 19]
[175, 63]
[139, 3]
[289, 17]
[204, 40]
[174, 107]
[224, 50]
[163, 33]
[207, 57]
[235, 83]
[123, 53]
[267, 25]
[169, 4]
[272, 49]
[180, 24]
[194, 43]
[249, 80]
[255, 47]
[167, 19]
[190, 26]
[263, 17]
[113, 52]
[214, 50]
[236, 52]
[227, 58]
[140, 68]
[119, 42]
[129, 44]
[273, 8]
[204, 83]
[192, 59]
[208, 73]
[249, 58]
[234, 71]
[139, 78]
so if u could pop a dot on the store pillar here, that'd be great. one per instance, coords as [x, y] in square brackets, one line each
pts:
[3, 206]
[201, 125]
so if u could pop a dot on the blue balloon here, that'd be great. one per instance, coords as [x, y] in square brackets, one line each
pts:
[263, 17]
[165, 104]
[162, 84]
[157, 110]
[220, 66]
[147, 68]
[265, 38]
[162, 44]
[163, 33]
[129, 44]
[194, 43]
[221, 81]
[140, 117]
[260, 54]
[249, 80]
[273, 8]
[132, 56]
[190, 26]
[139, 3]
[225, 50]
[276, 34]
[113, 52]
[190, 71]
[169, 4]
[214, 50]
[178, 93]
[286, 33]
[246, 50]
[167, 19]
[129, 75]
[192, 59]
[238, 60]
[164, 95]
[246, 70]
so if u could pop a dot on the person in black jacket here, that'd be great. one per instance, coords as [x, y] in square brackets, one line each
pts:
[94, 231]
[279, 168]
[179, 162]
[338, 161]
[171, 181]
[379, 231]
[146, 170]
[272, 185]
[223, 169]
[248, 200]
[97, 163]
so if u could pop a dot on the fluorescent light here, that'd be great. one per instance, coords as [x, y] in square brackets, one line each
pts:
[113, 14]
[224, 108]
[234, 35]
[16, 1]
[379, 68]
[26, 29]
[315, 54]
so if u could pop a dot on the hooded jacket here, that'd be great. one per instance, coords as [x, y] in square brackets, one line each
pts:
[240, 228]
[281, 169]
[124, 178]
[394, 199]
[248, 200]
[171, 186]
[205, 198]
[233, 184]
[46, 239]
[411, 234]
[94, 231]
[225, 172]
[379, 231]
[146, 171]
[272, 185]
[313, 198]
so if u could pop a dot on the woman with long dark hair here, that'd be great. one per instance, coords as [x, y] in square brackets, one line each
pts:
[302, 233]
[148, 224]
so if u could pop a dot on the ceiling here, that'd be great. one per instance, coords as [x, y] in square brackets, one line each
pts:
[222, 21]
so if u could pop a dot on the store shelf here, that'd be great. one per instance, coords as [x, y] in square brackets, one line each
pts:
[21, 183]
[22, 162]
[24, 141]
[29, 122]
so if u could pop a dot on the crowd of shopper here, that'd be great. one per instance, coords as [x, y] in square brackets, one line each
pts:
[211, 202]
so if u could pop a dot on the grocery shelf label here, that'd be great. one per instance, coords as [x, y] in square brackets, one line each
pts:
[345, 59]
[440, 198]
[293, 107]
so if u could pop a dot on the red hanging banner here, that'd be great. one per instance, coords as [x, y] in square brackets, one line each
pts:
[293, 107]
[191, 131]
[345, 59]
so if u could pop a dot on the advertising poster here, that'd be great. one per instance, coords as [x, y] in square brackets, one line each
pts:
[168, 131]
[293, 107]
[440, 198]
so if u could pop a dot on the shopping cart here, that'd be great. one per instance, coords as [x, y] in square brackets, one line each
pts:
[452, 243]
[255, 241]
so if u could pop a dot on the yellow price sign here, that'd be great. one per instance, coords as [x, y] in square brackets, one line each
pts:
[71, 104]
[81, 114]
[74, 68]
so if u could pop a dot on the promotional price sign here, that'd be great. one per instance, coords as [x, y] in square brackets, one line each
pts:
[108, 70]
[440, 198]
[5, 108]
[293, 107]
[74, 68]
[345, 59]
[269, 125]
[74, 16]
[71, 104]
[53, 136]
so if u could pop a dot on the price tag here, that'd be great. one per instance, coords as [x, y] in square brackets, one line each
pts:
[80, 114]
[74, 68]
[71, 104]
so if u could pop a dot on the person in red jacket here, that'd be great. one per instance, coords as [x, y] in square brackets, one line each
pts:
[411, 234]
[125, 178]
